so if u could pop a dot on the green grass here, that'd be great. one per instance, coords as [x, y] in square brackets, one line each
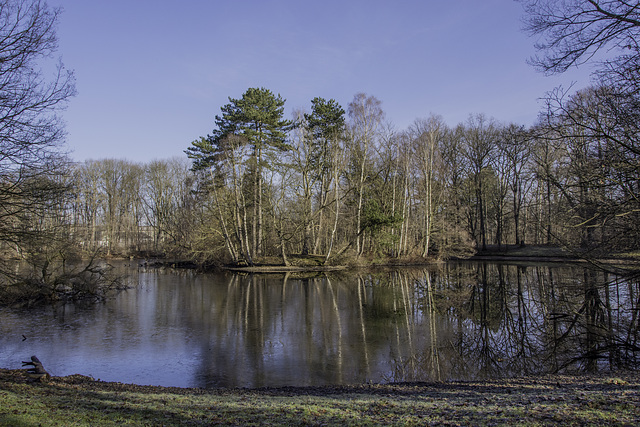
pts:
[78, 401]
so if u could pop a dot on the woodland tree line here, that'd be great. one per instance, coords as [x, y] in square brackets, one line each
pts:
[342, 183]
[338, 182]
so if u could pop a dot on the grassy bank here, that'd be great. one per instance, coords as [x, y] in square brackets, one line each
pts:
[78, 400]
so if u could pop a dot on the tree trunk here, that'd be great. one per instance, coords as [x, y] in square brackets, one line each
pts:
[258, 243]
[335, 222]
[227, 238]
[483, 235]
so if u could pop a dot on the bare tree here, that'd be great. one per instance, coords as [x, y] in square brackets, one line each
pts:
[325, 130]
[504, 175]
[573, 31]
[479, 141]
[88, 203]
[403, 194]
[601, 184]
[303, 163]
[166, 185]
[428, 134]
[598, 126]
[514, 147]
[366, 117]
[30, 128]
[337, 165]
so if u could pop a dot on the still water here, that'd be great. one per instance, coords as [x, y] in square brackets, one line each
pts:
[451, 321]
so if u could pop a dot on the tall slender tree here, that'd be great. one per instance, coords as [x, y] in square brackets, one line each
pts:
[366, 118]
[428, 134]
[514, 148]
[479, 139]
[326, 124]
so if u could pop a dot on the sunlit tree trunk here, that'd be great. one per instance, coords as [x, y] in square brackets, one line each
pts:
[336, 198]
[427, 135]
[366, 116]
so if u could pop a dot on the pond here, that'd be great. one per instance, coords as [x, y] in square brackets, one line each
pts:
[458, 320]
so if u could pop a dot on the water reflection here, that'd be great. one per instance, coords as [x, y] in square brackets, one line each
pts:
[456, 321]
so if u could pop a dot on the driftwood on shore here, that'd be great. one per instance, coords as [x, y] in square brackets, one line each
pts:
[36, 370]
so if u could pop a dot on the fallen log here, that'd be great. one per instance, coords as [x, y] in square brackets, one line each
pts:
[36, 371]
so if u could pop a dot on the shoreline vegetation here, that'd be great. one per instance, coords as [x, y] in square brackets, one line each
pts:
[589, 399]
[315, 263]
[95, 279]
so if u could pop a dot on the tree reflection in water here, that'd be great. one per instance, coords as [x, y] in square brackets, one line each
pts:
[457, 320]
[497, 320]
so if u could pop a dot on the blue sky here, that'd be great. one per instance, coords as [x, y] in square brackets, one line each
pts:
[152, 74]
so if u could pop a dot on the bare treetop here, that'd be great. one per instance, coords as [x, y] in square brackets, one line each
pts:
[572, 31]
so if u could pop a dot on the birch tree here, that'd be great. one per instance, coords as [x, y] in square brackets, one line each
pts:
[366, 117]
[428, 134]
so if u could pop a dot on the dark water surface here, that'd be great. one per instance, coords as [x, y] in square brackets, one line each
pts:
[454, 321]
